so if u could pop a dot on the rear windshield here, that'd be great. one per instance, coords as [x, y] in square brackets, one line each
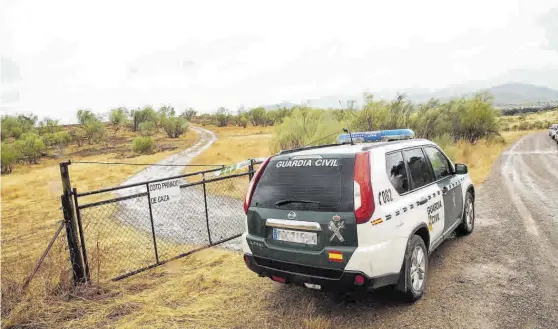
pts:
[324, 184]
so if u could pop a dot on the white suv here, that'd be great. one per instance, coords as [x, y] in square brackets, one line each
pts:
[363, 216]
[552, 130]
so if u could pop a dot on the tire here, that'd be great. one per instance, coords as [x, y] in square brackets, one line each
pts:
[468, 222]
[412, 279]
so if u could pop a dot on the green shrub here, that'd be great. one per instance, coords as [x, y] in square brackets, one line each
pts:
[144, 115]
[9, 157]
[30, 147]
[143, 145]
[95, 131]
[147, 128]
[174, 126]
[305, 126]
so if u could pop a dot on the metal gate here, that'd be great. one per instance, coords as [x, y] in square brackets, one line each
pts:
[131, 228]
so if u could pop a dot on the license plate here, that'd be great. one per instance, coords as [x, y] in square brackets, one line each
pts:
[295, 236]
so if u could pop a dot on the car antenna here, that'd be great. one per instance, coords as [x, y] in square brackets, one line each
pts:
[345, 130]
[350, 136]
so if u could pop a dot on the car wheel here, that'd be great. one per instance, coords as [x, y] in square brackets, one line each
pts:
[412, 279]
[468, 223]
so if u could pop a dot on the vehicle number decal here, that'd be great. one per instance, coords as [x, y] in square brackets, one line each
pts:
[385, 196]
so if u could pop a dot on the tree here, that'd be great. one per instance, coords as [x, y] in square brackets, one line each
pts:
[30, 147]
[167, 111]
[84, 116]
[95, 131]
[189, 114]
[222, 116]
[175, 126]
[61, 140]
[118, 117]
[8, 158]
[49, 126]
[257, 116]
[305, 126]
[143, 115]
[15, 126]
[147, 128]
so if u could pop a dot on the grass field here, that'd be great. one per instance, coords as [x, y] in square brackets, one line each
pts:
[542, 119]
[31, 202]
[209, 289]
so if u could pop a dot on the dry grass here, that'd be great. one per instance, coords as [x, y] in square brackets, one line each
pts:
[31, 201]
[210, 289]
[514, 120]
[234, 144]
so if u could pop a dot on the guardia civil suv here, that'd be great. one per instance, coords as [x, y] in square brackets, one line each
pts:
[356, 215]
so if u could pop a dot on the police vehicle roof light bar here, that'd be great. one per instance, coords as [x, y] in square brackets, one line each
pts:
[376, 136]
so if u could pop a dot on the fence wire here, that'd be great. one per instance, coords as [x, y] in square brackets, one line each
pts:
[127, 234]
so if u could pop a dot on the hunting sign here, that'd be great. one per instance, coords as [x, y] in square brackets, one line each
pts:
[163, 192]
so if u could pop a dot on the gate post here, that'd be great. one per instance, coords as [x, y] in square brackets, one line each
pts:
[71, 227]
[251, 170]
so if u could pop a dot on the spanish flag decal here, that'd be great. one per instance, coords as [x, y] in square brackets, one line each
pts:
[377, 221]
[336, 256]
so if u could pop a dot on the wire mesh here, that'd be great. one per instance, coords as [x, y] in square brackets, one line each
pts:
[125, 234]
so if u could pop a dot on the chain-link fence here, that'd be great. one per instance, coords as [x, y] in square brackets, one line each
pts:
[128, 229]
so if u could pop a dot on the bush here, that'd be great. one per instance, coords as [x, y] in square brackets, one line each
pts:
[9, 157]
[13, 126]
[147, 114]
[175, 127]
[118, 117]
[143, 145]
[305, 126]
[95, 131]
[85, 116]
[147, 128]
[30, 148]
[222, 117]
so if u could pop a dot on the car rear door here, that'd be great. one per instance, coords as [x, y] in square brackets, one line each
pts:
[303, 208]
[448, 183]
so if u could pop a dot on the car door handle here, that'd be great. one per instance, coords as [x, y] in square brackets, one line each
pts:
[444, 190]
[422, 201]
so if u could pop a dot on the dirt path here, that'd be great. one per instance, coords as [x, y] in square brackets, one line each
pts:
[183, 221]
[504, 275]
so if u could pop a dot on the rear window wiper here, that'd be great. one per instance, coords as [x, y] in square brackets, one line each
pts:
[282, 202]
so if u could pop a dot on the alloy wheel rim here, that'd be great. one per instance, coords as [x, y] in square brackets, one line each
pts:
[418, 268]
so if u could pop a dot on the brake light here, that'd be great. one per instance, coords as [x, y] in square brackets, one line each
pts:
[253, 183]
[363, 195]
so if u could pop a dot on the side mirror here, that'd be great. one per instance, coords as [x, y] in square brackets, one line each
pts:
[461, 169]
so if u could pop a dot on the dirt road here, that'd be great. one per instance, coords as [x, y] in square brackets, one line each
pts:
[183, 221]
[504, 275]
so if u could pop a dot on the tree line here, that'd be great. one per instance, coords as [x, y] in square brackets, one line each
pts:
[25, 139]
[469, 119]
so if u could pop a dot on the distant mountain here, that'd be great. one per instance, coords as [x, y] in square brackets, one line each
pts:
[504, 94]
[514, 93]
[281, 105]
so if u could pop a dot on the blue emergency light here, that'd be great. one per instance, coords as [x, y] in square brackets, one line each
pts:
[376, 136]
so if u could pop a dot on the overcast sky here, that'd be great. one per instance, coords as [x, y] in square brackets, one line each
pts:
[58, 56]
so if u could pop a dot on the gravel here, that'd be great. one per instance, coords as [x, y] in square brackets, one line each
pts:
[503, 275]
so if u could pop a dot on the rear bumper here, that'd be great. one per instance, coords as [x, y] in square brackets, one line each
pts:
[327, 279]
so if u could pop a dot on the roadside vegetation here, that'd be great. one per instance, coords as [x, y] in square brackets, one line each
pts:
[211, 288]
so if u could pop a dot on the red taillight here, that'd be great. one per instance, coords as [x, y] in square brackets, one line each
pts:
[253, 183]
[363, 196]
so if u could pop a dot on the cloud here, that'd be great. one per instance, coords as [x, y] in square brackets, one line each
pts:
[206, 54]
